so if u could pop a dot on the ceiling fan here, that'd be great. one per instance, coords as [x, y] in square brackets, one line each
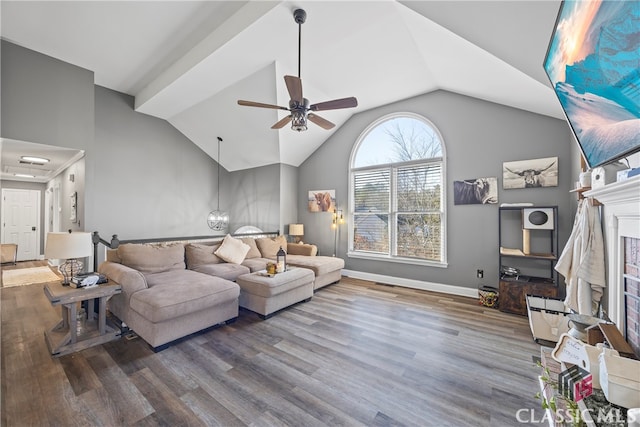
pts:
[299, 107]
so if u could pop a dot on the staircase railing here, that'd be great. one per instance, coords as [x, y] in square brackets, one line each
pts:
[115, 242]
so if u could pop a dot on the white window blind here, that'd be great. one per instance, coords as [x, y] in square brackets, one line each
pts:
[397, 190]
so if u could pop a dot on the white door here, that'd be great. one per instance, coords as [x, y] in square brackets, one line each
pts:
[20, 221]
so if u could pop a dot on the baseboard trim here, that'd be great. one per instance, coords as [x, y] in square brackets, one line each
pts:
[411, 283]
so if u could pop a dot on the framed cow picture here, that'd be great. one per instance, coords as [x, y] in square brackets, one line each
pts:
[534, 173]
[476, 191]
[322, 200]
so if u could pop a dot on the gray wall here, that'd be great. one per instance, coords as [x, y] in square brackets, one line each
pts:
[144, 178]
[67, 188]
[254, 198]
[45, 100]
[479, 136]
[288, 197]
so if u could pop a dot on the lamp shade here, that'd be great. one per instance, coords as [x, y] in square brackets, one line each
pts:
[296, 229]
[68, 245]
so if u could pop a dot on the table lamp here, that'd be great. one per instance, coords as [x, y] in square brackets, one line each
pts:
[68, 246]
[296, 230]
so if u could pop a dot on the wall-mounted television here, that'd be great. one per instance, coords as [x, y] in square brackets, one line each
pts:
[593, 63]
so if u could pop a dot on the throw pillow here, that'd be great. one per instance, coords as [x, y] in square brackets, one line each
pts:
[254, 252]
[150, 258]
[269, 247]
[199, 254]
[232, 250]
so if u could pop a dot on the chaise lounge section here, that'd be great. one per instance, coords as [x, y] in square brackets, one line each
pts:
[163, 301]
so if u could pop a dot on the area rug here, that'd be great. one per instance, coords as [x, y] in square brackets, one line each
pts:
[28, 276]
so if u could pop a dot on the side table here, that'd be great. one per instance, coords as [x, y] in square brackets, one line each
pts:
[64, 337]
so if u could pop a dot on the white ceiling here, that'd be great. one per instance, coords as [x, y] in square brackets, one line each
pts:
[190, 61]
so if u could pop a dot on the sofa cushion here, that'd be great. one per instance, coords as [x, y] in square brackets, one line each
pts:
[112, 256]
[254, 252]
[225, 270]
[152, 258]
[197, 292]
[302, 249]
[256, 264]
[232, 250]
[198, 254]
[269, 247]
[267, 287]
[175, 277]
[319, 264]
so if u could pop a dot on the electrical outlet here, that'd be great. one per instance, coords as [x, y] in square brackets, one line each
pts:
[479, 274]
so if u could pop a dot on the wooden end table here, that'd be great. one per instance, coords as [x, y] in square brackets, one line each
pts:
[63, 338]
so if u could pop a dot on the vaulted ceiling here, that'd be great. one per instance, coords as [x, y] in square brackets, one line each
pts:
[190, 61]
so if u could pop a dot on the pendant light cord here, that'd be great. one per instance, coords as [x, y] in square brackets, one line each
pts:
[219, 141]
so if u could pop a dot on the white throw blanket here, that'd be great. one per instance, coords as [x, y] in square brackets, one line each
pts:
[582, 261]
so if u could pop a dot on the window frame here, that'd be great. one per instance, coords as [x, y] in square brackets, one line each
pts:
[393, 202]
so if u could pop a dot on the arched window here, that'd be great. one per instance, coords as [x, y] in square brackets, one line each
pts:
[397, 192]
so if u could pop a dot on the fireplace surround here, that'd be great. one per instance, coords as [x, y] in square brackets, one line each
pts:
[621, 223]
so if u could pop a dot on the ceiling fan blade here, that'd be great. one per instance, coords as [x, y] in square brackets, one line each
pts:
[335, 104]
[294, 86]
[282, 123]
[261, 105]
[323, 123]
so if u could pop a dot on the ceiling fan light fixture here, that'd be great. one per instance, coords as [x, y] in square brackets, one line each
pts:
[298, 105]
[298, 121]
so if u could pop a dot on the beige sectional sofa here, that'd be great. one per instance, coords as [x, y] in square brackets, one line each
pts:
[170, 290]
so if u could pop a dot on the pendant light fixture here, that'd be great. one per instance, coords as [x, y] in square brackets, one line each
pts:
[218, 220]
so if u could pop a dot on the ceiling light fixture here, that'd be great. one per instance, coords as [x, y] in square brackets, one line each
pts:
[299, 106]
[298, 120]
[23, 175]
[34, 159]
[218, 220]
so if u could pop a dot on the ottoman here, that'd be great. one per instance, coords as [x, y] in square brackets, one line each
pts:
[265, 295]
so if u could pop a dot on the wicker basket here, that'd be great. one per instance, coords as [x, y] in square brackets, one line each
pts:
[488, 296]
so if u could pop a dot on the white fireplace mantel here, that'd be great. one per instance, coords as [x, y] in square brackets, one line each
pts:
[621, 218]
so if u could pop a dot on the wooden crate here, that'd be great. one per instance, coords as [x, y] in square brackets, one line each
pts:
[513, 294]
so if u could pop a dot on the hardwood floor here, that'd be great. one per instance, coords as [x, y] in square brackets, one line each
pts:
[358, 353]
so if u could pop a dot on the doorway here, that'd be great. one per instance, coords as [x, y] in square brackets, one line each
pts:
[20, 221]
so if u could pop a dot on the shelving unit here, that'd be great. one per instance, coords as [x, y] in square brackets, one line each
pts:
[536, 248]
[580, 192]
